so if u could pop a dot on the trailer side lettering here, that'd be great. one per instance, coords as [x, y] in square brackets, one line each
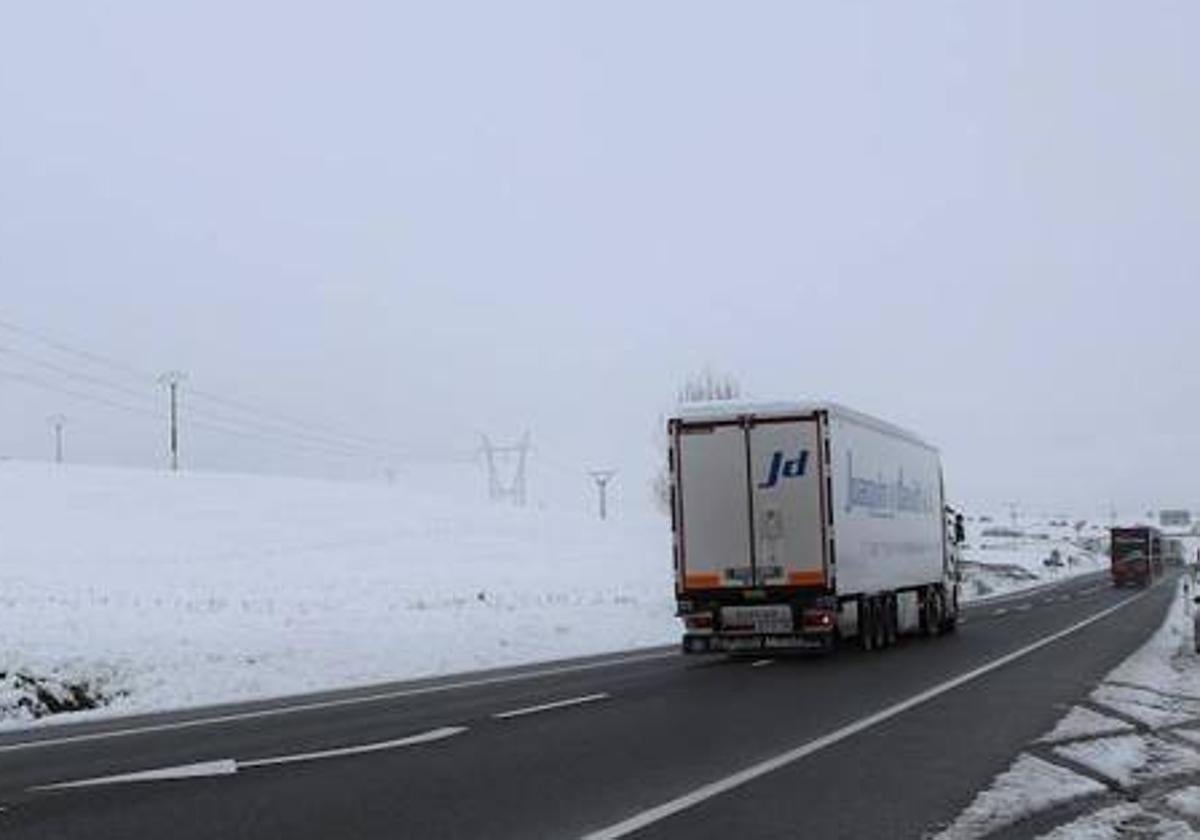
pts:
[885, 498]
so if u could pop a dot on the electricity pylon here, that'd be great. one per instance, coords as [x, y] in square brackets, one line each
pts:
[498, 488]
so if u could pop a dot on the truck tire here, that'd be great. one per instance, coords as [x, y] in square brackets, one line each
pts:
[932, 612]
[950, 613]
[866, 624]
[881, 623]
[891, 620]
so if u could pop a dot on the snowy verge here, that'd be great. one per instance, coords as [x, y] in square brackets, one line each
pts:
[1002, 561]
[1155, 765]
[1030, 785]
[160, 591]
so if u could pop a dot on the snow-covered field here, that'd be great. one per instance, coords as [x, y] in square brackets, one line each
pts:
[1003, 558]
[1130, 756]
[164, 590]
[158, 591]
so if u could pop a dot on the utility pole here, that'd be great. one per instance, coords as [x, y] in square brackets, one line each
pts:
[172, 379]
[602, 478]
[57, 422]
[498, 489]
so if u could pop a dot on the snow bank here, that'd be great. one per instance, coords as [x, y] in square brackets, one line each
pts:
[1030, 785]
[165, 590]
[1186, 801]
[1132, 759]
[1123, 821]
[1081, 722]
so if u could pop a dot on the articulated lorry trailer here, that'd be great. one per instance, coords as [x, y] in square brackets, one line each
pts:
[1136, 555]
[799, 524]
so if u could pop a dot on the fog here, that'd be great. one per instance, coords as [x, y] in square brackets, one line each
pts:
[420, 222]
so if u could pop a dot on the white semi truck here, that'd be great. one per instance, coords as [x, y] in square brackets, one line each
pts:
[799, 524]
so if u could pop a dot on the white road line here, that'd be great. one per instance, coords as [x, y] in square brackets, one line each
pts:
[424, 738]
[229, 766]
[1001, 611]
[223, 767]
[236, 717]
[761, 663]
[713, 789]
[1024, 608]
[546, 707]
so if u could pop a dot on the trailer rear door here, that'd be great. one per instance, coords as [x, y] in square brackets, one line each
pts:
[785, 470]
[751, 504]
[712, 480]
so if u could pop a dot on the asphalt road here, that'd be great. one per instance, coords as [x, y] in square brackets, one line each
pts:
[649, 744]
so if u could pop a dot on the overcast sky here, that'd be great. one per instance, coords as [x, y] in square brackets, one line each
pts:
[419, 221]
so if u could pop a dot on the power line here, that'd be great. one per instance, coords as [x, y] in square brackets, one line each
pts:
[351, 444]
[270, 427]
[328, 434]
[150, 379]
[62, 347]
[80, 395]
[276, 417]
[76, 375]
[156, 417]
[136, 394]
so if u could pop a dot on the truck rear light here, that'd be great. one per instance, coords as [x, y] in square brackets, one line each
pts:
[699, 621]
[819, 619]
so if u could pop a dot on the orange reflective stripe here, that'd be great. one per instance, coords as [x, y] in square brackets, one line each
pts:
[806, 578]
[702, 580]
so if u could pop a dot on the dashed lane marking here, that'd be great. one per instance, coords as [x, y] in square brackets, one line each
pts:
[761, 663]
[546, 707]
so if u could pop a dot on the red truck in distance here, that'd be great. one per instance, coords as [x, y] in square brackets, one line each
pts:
[1137, 555]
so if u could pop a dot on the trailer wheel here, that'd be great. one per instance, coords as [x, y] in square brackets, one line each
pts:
[891, 620]
[949, 618]
[881, 623]
[934, 613]
[929, 617]
[866, 624]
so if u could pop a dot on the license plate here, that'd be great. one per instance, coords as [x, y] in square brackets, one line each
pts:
[764, 619]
